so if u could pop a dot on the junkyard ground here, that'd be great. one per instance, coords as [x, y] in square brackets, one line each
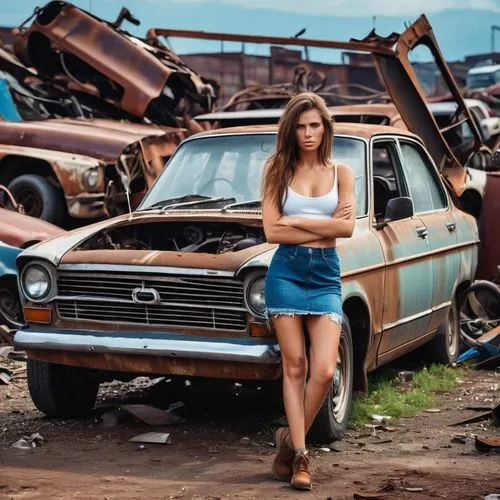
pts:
[223, 449]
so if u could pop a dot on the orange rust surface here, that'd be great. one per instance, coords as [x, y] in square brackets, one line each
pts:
[223, 262]
[161, 365]
[489, 251]
[78, 33]
[362, 130]
[18, 230]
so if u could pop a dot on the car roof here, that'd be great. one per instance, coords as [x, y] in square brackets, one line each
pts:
[362, 130]
[484, 69]
[375, 109]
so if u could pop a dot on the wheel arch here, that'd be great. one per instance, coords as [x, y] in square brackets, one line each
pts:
[358, 314]
[12, 166]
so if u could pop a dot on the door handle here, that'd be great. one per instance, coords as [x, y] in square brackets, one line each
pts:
[422, 232]
[451, 226]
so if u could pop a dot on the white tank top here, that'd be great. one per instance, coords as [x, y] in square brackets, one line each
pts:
[313, 207]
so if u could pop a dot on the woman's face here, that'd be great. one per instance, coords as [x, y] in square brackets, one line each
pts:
[310, 130]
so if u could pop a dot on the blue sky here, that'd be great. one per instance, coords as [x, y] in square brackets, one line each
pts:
[461, 26]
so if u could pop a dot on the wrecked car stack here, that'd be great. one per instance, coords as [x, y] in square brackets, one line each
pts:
[90, 165]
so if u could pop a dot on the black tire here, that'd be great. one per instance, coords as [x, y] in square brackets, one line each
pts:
[445, 346]
[331, 422]
[39, 198]
[11, 311]
[61, 391]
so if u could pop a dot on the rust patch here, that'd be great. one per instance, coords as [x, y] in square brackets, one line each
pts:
[161, 366]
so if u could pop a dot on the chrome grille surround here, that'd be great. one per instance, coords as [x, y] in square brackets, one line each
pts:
[198, 302]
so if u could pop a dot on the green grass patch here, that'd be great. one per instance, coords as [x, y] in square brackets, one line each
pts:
[386, 396]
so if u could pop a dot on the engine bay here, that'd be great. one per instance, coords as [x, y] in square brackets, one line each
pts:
[199, 237]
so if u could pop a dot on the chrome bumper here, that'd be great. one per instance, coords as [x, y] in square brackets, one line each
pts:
[247, 350]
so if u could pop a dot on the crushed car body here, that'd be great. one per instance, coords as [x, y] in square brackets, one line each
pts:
[58, 163]
[142, 77]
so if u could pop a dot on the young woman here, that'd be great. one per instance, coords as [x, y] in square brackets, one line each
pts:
[308, 202]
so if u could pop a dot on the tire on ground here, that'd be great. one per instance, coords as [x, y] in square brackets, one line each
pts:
[51, 202]
[331, 422]
[61, 391]
[445, 346]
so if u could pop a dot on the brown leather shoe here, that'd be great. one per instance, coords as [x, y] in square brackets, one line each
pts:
[301, 479]
[282, 463]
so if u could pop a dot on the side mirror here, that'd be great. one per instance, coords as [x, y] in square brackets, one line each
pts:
[398, 209]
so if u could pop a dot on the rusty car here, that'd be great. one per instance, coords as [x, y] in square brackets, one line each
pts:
[176, 287]
[81, 169]
[17, 231]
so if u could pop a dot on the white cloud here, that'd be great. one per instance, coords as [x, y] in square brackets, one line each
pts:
[358, 8]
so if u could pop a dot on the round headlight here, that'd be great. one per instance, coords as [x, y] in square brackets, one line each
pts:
[256, 296]
[91, 178]
[36, 282]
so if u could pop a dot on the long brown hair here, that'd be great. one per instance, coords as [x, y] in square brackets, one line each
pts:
[280, 166]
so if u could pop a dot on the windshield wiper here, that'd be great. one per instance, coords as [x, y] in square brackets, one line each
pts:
[243, 204]
[164, 203]
[192, 204]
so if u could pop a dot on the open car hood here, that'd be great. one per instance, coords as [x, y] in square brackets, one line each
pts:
[402, 84]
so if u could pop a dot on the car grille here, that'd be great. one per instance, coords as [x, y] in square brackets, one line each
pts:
[192, 302]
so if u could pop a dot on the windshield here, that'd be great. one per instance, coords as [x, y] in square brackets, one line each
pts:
[232, 165]
[482, 80]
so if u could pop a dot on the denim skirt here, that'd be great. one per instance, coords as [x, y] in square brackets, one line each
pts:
[304, 280]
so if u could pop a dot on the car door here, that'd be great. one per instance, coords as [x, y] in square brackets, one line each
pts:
[433, 207]
[408, 280]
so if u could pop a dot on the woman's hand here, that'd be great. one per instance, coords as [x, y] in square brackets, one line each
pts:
[344, 210]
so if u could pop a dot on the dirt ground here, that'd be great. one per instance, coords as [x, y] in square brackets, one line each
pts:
[224, 448]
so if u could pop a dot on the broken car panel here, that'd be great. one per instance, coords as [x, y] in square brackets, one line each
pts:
[144, 78]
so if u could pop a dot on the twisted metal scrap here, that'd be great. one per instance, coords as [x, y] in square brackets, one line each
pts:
[306, 79]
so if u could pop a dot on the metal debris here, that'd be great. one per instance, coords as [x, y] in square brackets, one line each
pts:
[487, 444]
[473, 420]
[152, 437]
[153, 416]
[28, 442]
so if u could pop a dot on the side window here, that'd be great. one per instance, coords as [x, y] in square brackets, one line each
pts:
[385, 179]
[425, 189]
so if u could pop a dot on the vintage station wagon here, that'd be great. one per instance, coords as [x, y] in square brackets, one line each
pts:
[176, 287]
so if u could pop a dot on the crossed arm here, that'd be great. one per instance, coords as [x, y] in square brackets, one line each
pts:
[297, 230]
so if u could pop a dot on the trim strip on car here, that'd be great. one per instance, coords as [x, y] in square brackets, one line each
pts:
[409, 319]
[150, 344]
[145, 269]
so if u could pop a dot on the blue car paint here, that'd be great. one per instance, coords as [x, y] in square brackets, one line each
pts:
[8, 109]
[8, 256]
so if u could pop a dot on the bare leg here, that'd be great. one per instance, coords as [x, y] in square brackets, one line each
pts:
[290, 333]
[324, 335]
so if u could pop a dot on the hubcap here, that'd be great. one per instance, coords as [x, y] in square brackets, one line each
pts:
[31, 201]
[340, 384]
[452, 333]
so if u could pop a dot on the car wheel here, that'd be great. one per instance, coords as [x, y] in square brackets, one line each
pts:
[445, 346]
[39, 198]
[61, 391]
[11, 312]
[331, 422]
